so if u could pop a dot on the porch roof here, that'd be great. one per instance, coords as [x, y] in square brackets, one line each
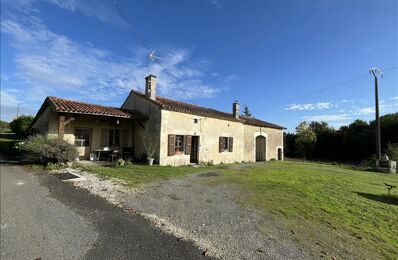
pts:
[62, 105]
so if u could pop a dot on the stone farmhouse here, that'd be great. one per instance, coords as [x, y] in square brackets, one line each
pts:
[178, 133]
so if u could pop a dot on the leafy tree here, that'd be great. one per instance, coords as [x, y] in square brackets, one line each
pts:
[4, 125]
[352, 143]
[305, 139]
[289, 144]
[246, 111]
[21, 125]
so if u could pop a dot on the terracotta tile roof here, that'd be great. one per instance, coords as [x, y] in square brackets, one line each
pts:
[257, 122]
[177, 106]
[61, 105]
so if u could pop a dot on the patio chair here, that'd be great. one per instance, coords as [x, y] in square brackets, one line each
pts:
[114, 155]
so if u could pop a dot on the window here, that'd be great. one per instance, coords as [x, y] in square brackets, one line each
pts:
[195, 120]
[179, 144]
[82, 137]
[114, 139]
[226, 144]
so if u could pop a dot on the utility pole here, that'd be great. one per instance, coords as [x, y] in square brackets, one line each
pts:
[18, 111]
[376, 74]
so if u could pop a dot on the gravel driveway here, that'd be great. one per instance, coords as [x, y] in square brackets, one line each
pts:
[209, 216]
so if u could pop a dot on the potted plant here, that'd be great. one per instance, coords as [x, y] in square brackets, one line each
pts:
[150, 148]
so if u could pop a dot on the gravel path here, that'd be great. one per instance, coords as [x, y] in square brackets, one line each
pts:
[209, 216]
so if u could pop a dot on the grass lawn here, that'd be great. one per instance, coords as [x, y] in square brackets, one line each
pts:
[135, 175]
[331, 210]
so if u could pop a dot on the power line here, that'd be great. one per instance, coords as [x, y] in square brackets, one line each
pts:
[321, 90]
[146, 46]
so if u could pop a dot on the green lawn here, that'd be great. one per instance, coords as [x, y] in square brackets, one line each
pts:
[331, 210]
[135, 175]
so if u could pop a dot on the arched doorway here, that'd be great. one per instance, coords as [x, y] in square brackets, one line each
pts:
[280, 155]
[260, 148]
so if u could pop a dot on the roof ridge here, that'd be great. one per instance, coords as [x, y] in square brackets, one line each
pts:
[188, 108]
[185, 103]
[81, 102]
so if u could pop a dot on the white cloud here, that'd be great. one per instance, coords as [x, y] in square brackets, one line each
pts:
[216, 3]
[364, 111]
[309, 106]
[50, 62]
[4, 77]
[9, 103]
[327, 118]
[102, 10]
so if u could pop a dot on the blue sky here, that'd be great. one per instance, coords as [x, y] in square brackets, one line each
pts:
[289, 61]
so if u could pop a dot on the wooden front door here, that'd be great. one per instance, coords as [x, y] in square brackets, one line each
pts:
[279, 154]
[260, 148]
[194, 150]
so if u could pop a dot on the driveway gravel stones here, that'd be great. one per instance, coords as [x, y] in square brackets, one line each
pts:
[209, 216]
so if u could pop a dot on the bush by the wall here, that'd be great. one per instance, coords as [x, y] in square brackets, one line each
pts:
[21, 125]
[50, 150]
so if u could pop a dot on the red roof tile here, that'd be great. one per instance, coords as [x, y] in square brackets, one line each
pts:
[177, 106]
[61, 105]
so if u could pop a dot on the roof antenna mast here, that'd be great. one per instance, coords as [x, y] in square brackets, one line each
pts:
[151, 58]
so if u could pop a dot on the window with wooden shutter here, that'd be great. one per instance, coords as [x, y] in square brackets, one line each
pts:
[220, 144]
[171, 145]
[230, 144]
[188, 144]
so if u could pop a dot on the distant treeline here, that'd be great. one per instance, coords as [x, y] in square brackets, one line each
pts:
[352, 143]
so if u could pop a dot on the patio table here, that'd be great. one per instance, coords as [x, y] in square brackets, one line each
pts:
[99, 151]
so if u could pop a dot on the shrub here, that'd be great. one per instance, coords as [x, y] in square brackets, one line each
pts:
[21, 125]
[50, 150]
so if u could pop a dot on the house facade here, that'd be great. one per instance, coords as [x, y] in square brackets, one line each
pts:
[178, 133]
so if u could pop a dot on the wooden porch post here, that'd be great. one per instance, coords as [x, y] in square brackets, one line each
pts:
[61, 127]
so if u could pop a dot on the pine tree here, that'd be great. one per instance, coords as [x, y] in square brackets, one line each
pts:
[246, 111]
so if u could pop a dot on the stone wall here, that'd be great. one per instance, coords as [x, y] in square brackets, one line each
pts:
[274, 140]
[148, 130]
[209, 130]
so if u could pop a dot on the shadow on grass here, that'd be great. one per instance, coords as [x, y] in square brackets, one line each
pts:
[388, 199]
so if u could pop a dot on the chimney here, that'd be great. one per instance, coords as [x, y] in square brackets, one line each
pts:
[235, 109]
[150, 87]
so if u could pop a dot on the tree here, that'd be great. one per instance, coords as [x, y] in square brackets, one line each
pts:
[246, 111]
[21, 125]
[305, 140]
[4, 126]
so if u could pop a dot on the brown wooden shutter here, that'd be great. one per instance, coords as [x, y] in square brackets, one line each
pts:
[220, 144]
[104, 137]
[230, 144]
[188, 144]
[172, 145]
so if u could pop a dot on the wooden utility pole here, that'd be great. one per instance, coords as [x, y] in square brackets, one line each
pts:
[376, 74]
[18, 111]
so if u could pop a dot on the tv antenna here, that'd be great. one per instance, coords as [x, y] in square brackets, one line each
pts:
[151, 59]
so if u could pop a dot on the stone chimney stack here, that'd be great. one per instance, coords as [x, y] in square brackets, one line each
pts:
[150, 86]
[235, 109]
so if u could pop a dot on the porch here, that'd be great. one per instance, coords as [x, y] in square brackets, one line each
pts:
[99, 138]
